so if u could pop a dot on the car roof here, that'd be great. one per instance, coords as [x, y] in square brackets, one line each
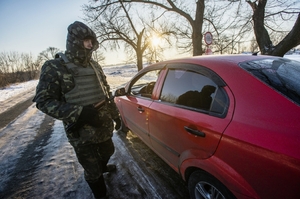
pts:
[216, 58]
[214, 62]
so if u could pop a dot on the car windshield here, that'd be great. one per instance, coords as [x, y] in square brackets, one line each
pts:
[279, 73]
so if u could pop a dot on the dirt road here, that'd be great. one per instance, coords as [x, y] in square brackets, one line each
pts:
[14, 106]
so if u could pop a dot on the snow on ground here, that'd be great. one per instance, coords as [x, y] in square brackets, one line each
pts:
[15, 89]
[119, 75]
[16, 93]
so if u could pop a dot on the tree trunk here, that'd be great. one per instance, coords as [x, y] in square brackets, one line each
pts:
[139, 60]
[290, 41]
[262, 36]
[261, 33]
[139, 51]
[197, 36]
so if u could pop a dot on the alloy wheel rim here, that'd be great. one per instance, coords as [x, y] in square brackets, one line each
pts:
[204, 190]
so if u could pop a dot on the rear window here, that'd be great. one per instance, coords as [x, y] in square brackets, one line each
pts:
[281, 74]
[194, 91]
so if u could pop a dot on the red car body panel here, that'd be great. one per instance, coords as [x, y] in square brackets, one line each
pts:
[254, 151]
[138, 109]
[167, 126]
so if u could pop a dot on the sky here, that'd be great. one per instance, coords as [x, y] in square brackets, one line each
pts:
[31, 26]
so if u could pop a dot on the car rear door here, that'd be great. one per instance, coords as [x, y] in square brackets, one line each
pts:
[190, 115]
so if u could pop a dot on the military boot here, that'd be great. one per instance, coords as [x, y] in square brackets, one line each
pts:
[98, 188]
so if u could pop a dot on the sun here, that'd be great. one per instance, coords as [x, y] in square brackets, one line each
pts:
[155, 40]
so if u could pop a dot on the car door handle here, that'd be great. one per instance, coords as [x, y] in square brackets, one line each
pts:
[140, 109]
[194, 132]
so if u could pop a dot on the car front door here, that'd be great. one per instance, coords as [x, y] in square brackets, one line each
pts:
[135, 105]
[190, 115]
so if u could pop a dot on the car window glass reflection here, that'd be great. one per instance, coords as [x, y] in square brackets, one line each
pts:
[280, 74]
[144, 85]
[193, 90]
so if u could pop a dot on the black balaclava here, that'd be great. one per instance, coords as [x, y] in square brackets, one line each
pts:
[76, 52]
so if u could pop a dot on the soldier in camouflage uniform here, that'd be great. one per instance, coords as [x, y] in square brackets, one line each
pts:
[68, 92]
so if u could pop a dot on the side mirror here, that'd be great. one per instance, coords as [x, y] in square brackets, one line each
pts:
[120, 92]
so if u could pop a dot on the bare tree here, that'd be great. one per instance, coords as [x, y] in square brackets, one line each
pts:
[253, 45]
[113, 23]
[10, 62]
[98, 57]
[162, 32]
[4, 62]
[230, 22]
[273, 18]
[195, 23]
[192, 18]
[16, 67]
[228, 25]
[31, 66]
[48, 54]
[266, 16]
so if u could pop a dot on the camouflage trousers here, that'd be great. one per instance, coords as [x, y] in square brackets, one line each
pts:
[94, 158]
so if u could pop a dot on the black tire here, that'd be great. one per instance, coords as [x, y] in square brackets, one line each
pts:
[202, 185]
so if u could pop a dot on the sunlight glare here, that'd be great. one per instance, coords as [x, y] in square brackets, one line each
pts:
[155, 40]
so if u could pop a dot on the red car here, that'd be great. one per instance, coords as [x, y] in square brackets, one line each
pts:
[229, 125]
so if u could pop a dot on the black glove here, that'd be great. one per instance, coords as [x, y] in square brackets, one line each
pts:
[118, 123]
[89, 115]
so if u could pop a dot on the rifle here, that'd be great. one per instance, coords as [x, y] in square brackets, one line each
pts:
[98, 105]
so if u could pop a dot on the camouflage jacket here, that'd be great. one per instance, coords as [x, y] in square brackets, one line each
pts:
[55, 81]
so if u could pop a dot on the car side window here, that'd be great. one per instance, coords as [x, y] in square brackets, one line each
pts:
[194, 91]
[143, 85]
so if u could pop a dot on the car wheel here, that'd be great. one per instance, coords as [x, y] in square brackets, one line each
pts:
[204, 186]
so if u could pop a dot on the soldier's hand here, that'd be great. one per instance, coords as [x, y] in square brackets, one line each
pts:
[90, 115]
[118, 123]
